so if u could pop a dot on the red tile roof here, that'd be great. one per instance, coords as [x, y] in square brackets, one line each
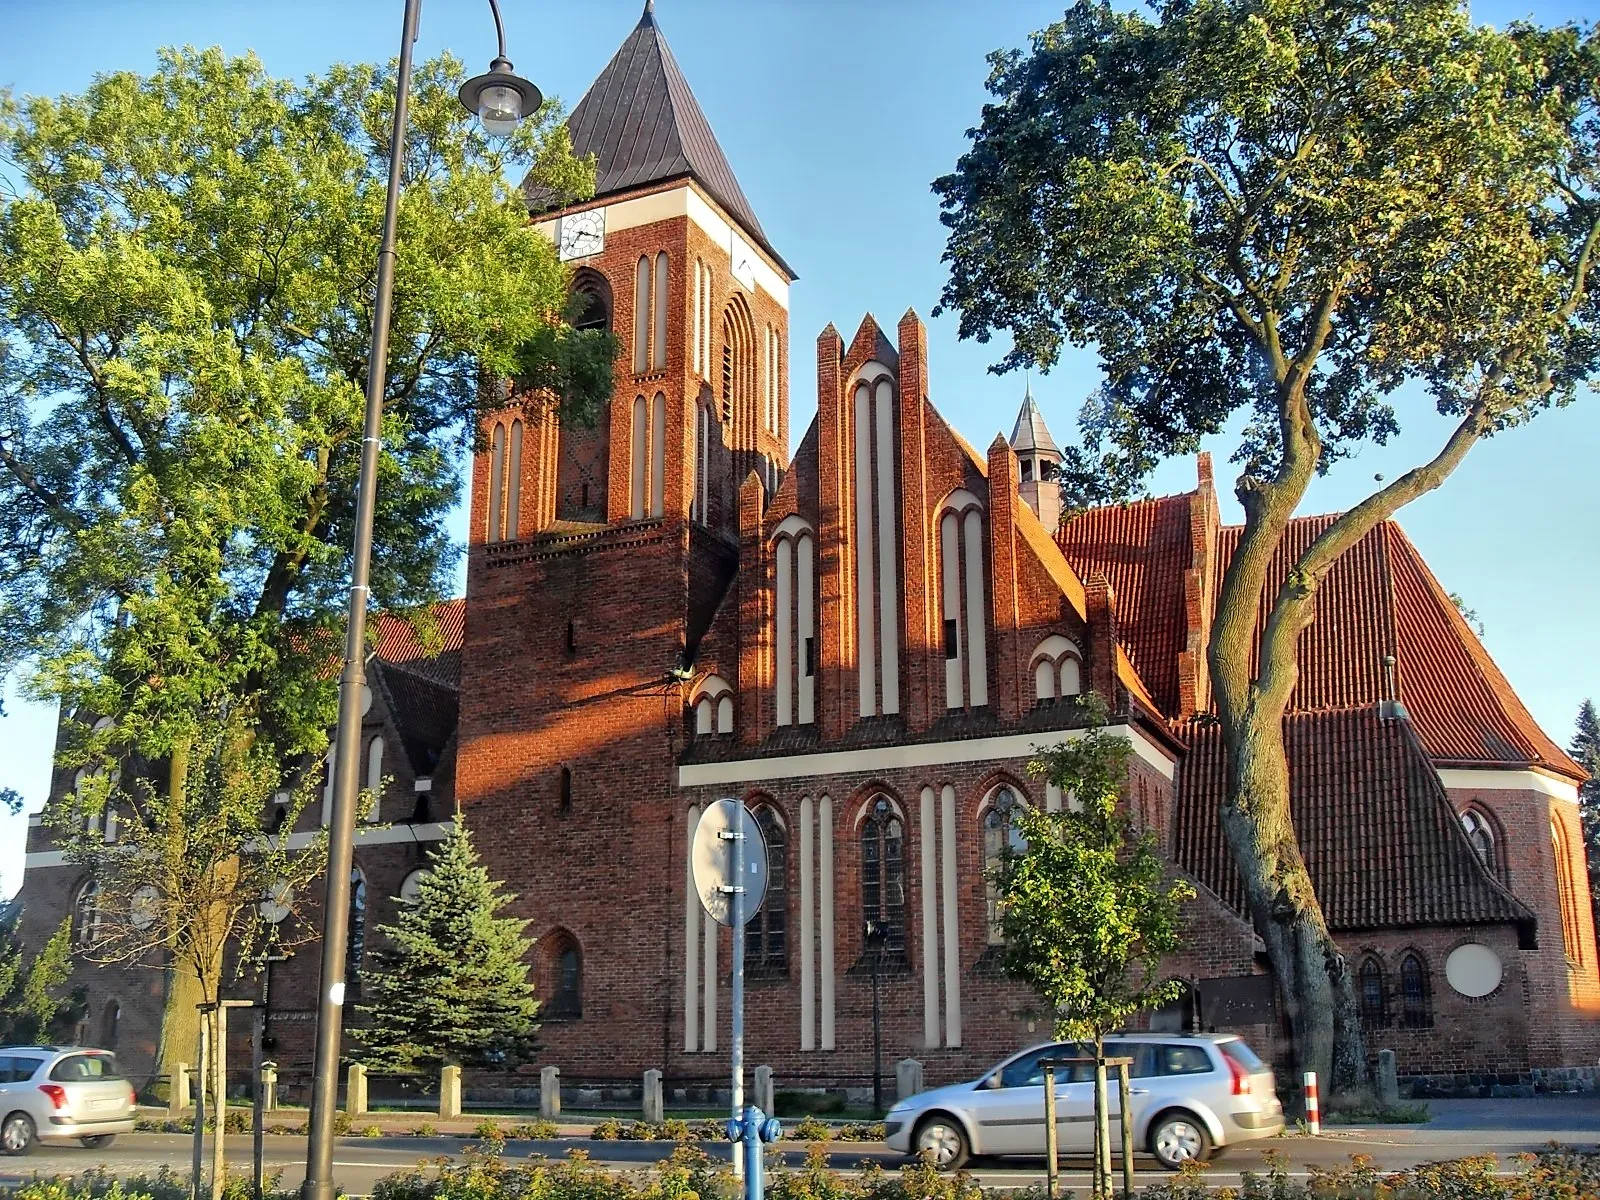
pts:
[1380, 838]
[430, 645]
[1143, 550]
[1380, 598]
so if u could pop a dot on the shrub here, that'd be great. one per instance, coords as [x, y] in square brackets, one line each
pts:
[675, 1129]
[810, 1129]
[536, 1131]
[492, 1137]
[864, 1131]
[640, 1131]
[371, 1131]
[607, 1131]
[426, 1129]
[341, 1124]
[707, 1130]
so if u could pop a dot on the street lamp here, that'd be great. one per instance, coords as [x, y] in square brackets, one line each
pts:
[500, 99]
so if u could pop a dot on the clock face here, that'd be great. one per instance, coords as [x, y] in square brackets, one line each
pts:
[742, 262]
[583, 233]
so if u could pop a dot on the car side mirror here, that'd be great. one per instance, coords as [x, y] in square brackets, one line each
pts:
[993, 1081]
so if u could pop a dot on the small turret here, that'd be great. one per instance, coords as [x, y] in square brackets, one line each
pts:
[1038, 463]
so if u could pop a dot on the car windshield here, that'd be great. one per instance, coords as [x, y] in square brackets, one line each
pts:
[80, 1067]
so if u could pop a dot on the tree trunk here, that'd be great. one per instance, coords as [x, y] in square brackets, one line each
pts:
[180, 1016]
[1309, 969]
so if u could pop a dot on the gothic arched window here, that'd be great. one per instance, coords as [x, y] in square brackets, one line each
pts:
[86, 916]
[566, 979]
[765, 943]
[999, 834]
[356, 937]
[1416, 999]
[883, 882]
[1374, 1009]
[1481, 834]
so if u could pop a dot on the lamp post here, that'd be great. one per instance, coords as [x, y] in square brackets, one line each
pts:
[874, 934]
[500, 99]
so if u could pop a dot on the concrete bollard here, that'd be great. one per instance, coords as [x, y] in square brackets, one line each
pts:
[550, 1093]
[450, 1093]
[907, 1078]
[269, 1086]
[655, 1110]
[1388, 1079]
[178, 1100]
[355, 1091]
[763, 1090]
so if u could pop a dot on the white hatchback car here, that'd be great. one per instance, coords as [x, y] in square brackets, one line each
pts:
[1190, 1093]
[62, 1092]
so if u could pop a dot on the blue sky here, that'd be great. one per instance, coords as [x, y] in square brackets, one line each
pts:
[836, 115]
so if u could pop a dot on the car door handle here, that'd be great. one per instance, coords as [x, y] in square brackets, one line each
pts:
[1138, 1091]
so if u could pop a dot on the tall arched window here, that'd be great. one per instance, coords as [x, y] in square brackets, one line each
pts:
[702, 459]
[1481, 834]
[647, 496]
[702, 319]
[883, 882]
[514, 483]
[1566, 893]
[86, 916]
[658, 307]
[794, 622]
[641, 457]
[564, 790]
[658, 454]
[962, 606]
[591, 294]
[1374, 1008]
[497, 478]
[110, 1025]
[356, 938]
[1000, 833]
[1416, 997]
[566, 979]
[766, 950]
[877, 591]
[641, 316]
[738, 368]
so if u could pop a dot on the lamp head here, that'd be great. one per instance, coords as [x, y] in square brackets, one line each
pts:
[500, 98]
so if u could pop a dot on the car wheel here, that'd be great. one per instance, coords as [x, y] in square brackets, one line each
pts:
[1177, 1138]
[943, 1141]
[98, 1141]
[17, 1134]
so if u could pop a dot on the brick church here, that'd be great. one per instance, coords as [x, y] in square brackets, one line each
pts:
[866, 641]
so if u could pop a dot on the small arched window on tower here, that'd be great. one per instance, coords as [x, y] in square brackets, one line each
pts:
[1374, 1005]
[86, 916]
[591, 295]
[641, 316]
[658, 308]
[1057, 670]
[564, 791]
[794, 622]
[962, 605]
[505, 480]
[649, 450]
[1416, 996]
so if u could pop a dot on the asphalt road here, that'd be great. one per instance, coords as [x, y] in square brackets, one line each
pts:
[359, 1162]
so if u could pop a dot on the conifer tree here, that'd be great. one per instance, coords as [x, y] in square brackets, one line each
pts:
[450, 984]
[1586, 749]
[35, 1002]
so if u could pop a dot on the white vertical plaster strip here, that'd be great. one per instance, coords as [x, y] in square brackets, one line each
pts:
[866, 640]
[927, 835]
[977, 635]
[806, 588]
[691, 939]
[808, 928]
[888, 548]
[1052, 797]
[640, 447]
[785, 631]
[827, 884]
[950, 604]
[951, 932]
[708, 1025]
[699, 291]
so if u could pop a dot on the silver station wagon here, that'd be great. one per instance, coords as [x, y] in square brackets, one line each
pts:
[62, 1092]
[1190, 1094]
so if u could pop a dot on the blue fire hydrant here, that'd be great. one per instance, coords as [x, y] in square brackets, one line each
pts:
[751, 1129]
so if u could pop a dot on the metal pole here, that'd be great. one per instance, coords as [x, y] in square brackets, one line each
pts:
[1102, 1123]
[1052, 1163]
[202, 1071]
[740, 1167]
[877, 1040]
[347, 754]
[257, 1109]
[1125, 1092]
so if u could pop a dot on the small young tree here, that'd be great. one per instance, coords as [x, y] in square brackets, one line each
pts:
[35, 1003]
[179, 876]
[1586, 750]
[1086, 907]
[450, 986]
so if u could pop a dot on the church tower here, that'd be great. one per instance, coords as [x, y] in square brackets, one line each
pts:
[598, 556]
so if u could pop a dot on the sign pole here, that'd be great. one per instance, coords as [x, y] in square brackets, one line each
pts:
[740, 1167]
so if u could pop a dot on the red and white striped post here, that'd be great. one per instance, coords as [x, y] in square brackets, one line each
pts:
[1313, 1109]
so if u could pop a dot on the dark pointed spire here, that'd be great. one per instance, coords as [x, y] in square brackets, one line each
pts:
[643, 125]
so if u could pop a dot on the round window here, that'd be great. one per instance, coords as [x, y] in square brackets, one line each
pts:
[411, 887]
[1473, 969]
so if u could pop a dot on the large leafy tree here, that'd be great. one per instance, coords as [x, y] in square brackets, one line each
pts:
[1286, 221]
[186, 269]
[37, 1002]
[450, 984]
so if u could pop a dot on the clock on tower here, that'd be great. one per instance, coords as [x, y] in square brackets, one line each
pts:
[583, 233]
